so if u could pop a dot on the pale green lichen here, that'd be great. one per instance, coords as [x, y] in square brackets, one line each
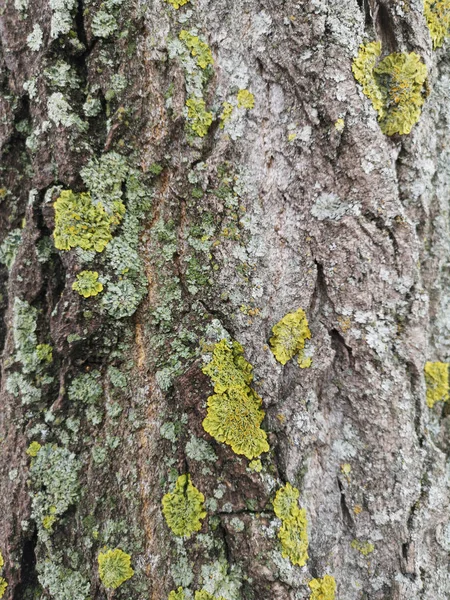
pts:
[114, 567]
[183, 508]
[396, 86]
[293, 533]
[199, 119]
[35, 38]
[60, 112]
[289, 336]
[437, 382]
[61, 582]
[323, 589]
[199, 49]
[54, 484]
[245, 99]
[234, 411]
[86, 388]
[81, 223]
[87, 284]
[437, 14]
[62, 16]
[9, 247]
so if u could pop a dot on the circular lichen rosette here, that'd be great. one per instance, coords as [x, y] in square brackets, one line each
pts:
[114, 567]
[183, 508]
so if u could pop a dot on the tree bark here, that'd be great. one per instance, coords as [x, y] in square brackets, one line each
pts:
[294, 198]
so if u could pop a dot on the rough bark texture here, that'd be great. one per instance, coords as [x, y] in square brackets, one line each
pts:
[278, 210]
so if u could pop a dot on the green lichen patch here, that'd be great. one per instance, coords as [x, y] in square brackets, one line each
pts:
[183, 508]
[87, 284]
[289, 336]
[396, 86]
[199, 119]
[245, 99]
[198, 49]
[437, 14]
[33, 449]
[3, 586]
[323, 589]
[81, 223]
[293, 533]
[61, 582]
[9, 247]
[234, 412]
[114, 567]
[437, 382]
[204, 595]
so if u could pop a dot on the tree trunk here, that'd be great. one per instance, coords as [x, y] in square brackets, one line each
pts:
[177, 179]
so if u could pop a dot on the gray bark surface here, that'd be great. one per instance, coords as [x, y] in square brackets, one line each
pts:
[279, 210]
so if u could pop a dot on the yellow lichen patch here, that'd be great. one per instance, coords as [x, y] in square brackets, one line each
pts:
[114, 567]
[437, 14]
[177, 594]
[245, 99]
[289, 337]
[339, 125]
[3, 586]
[365, 548]
[199, 50]
[323, 589]
[87, 284]
[32, 451]
[198, 117]
[2, 562]
[204, 595]
[177, 3]
[234, 411]
[225, 116]
[293, 533]
[396, 86]
[437, 381]
[183, 508]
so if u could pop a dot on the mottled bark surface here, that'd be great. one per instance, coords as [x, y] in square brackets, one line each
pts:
[281, 209]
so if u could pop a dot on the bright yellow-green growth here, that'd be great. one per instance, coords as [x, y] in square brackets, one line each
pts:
[323, 589]
[199, 118]
[437, 14]
[87, 284]
[339, 125]
[245, 99]
[33, 449]
[44, 353]
[199, 50]
[114, 567]
[183, 508]
[255, 465]
[3, 586]
[2, 562]
[177, 594]
[177, 3]
[437, 380]
[81, 223]
[289, 337]
[204, 595]
[365, 548]
[395, 86]
[293, 533]
[234, 411]
[226, 113]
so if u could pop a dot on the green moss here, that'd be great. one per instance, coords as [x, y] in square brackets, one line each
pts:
[437, 14]
[81, 223]
[364, 547]
[114, 567]
[437, 382]
[183, 508]
[199, 50]
[198, 117]
[293, 533]
[33, 449]
[323, 589]
[234, 412]
[396, 86]
[179, 593]
[177, 3]
[289, 336]
[245, 99]
[87, 284]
